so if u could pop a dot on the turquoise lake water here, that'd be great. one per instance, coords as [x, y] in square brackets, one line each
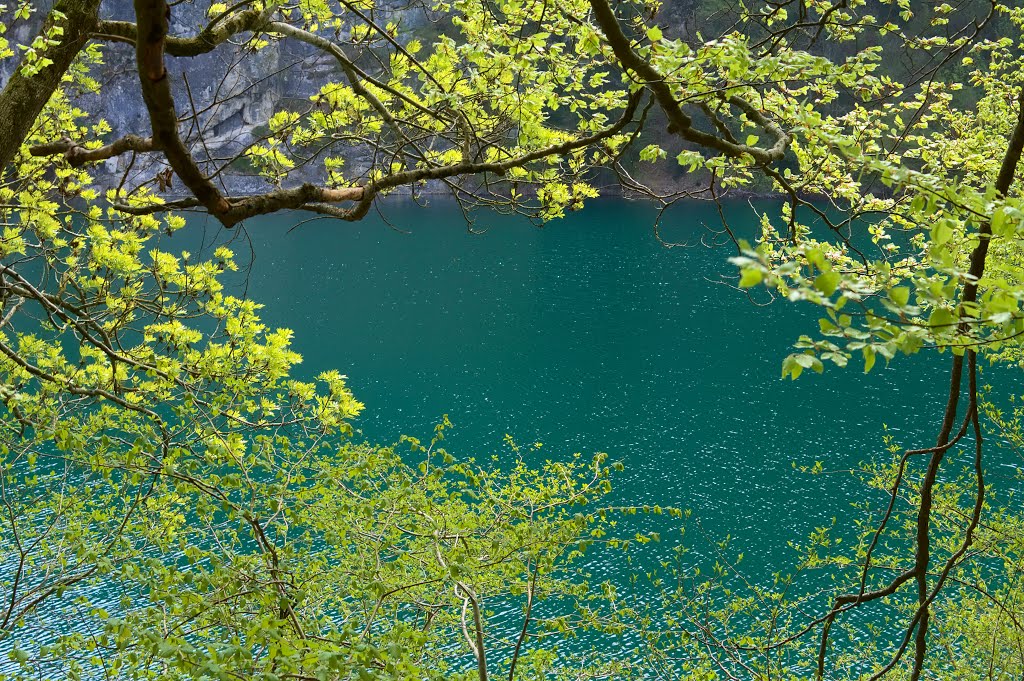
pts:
[589, 334]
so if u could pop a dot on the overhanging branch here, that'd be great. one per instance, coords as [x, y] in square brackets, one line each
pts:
[320, 199]
[77, 155]
[679, 122]
[215, 34]
[153, 17]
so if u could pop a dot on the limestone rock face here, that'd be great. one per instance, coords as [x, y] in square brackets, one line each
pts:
[245, 96]
[225, 97]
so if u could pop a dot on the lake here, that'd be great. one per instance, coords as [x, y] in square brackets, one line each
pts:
[588, 334]
[592, 334]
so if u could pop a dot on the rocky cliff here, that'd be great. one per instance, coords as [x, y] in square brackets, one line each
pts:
[225, 97]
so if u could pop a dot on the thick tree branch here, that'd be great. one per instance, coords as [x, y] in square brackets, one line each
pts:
[77, 155]
[152, 42]
[260, 204]
[153, 17]
[679, 122]
[315, 198]
[215, 34]
[26, 93]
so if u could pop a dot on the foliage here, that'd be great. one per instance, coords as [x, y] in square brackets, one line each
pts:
[910, 243]
[177, 505]
[157, 446]
[198, 513]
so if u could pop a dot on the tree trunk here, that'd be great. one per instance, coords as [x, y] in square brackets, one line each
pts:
[24, 97]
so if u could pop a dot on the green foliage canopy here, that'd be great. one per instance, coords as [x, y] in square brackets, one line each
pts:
[157, 443]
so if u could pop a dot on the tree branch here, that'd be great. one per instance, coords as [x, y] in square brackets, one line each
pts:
[77, 155]
[679, 122]
[153, 17]
[215, 34]
[317, 199]
[26, 93]
[1007, 173]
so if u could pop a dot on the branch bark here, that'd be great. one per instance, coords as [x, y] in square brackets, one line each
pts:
[917, 629]
[77, 155]
[215, 34]
[1007, 173]
[153, 17]
[476, 642]
[318, 199]
[25, 95]
[679, 122]
[531, 587]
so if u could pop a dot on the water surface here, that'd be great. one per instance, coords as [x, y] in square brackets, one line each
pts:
[588, 334]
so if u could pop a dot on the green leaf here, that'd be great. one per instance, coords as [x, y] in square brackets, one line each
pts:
[751, 276]
[827, 282]
[941, 317]
[816, 257]
[941, 232]
[900, 295]
[807, 361]
[1001, 226]
[791, 367]
[869, 358]
[654, 34]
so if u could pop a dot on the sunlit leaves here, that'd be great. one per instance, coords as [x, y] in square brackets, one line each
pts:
[158, 444]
